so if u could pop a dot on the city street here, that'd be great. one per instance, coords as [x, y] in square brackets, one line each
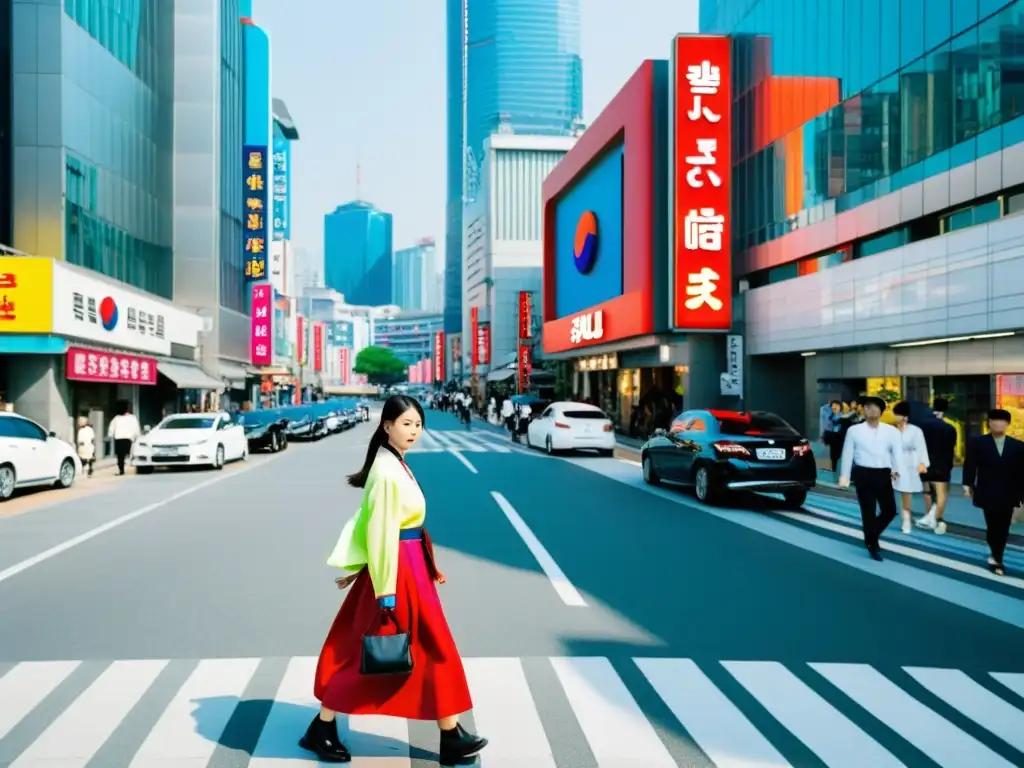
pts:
[174, 620]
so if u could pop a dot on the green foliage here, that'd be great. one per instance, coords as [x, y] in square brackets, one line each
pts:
[380, 365]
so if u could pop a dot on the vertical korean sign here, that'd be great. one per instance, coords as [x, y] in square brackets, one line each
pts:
[318, 346]
[439, 360]
[262, 324]
[300, 340]
[343, 366]
[282, 158]
[254, 187]
[701, 183]
[525, 315]
[525, 366]
[483, 343]
[474, 331]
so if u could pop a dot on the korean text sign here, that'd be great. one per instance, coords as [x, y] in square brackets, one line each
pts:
[525, 367]
[281, 203]
[26, 294]
[439, 352]
[318, 346]
[343, 366]
[474, 331]
[702, 183]
[254, 211]
[262, 324]
[300, 339]
[525, 315]
[95, 365]
[483, 343]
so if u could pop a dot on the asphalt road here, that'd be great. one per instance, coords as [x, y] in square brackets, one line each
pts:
[174, 620]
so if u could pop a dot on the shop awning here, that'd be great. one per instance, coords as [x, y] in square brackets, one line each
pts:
[188, 375]
[502, 374]
[233, 373]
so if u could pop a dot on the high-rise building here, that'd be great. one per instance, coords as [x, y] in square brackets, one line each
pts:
[6, 83]
[418, 278]
[512, 67]
[358, 253]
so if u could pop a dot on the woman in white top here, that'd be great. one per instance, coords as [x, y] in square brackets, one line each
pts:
[85, 440]
[913, 461]
[124, 431]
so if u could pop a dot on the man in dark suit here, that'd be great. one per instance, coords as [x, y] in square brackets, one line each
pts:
[994, 479]
[940, 439]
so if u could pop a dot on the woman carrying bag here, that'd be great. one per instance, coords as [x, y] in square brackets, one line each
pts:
[390, 651]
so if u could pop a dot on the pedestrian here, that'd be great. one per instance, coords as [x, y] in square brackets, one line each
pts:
[871, 459]
[994, 479]
[85, 441]
[941, 438]
[831, 419]
[390, 564]
[124, 431]
[508, 414]
[914, 462]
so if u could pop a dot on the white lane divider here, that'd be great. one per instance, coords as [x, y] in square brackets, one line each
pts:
[466, 463]
[569, 594]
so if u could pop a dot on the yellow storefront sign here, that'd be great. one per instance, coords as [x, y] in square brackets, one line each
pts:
[26, 294]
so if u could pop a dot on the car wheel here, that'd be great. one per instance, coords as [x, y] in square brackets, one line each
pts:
[704, 486]
[7, 482]
[795, 499]
[548, 446]
[650, 476]
[606, 452]
[66, 476]
[274, 447]
[245, 451]
[144, 470]
[218, 458]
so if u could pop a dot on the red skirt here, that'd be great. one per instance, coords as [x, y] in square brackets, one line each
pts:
[436, 687]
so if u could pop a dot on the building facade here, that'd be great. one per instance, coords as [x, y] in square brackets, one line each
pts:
[512, 67]
[877, 238]
[503, 252]
[358, 253]
[6, 100]
[410, 335]
[419, 278]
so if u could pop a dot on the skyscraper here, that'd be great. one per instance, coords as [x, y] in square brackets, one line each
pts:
[418, 278]
[358, 253]
[513, 66]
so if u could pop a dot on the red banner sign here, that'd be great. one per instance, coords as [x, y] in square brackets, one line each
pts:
[318, 346]
[525, 315]
[300, 339]
[261, 340]
[439, 361]
[483, 343]
[474, 330]
[343, 366]
[525, 367]
[701, 183]
[114, 367]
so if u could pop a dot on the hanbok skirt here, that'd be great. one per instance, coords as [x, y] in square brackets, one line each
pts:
[436, 687]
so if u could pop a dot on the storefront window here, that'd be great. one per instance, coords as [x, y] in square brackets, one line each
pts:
[1010, 397]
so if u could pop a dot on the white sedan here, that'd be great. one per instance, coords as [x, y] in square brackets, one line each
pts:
[30, 456]
[188, 440]
[572, 426]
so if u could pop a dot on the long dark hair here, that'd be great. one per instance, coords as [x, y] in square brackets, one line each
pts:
[394, 407]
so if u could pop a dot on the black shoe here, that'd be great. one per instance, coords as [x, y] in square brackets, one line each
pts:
[458, 744]
[322, 740]
[876, 552]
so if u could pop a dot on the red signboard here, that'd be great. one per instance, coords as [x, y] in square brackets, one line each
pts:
[439, 361]
[261, 339]
[343, 366]
[318, 346]
[474, 330]
[525, 315]
[483, 343]
[300, 339]
[525, 367]
[113, 367]
[701, 183]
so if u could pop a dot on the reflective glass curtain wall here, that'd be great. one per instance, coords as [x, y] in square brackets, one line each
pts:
[358, 253]
[232, 279]
[117, 108]
[921, 86]
[455, 146]
[6, 236]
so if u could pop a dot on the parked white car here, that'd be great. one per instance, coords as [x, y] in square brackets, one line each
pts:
[188, 440]
[572, 426]
[30, 456]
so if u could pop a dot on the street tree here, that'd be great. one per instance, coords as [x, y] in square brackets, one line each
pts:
[380, 366]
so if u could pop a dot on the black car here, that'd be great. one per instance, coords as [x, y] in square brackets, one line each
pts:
[721, 451]
[304, 422]
[265, 429]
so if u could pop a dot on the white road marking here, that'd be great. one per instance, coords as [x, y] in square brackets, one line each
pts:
[618, 732]
[26, 685]
[454, 452]
[211, 693]
[935, 736]
[718, 727]
[631, 462]
[569, 594]
[504, 710]
[427, 442]
[80, 730]
[1012, 680]
[289, 717]
[12, 571]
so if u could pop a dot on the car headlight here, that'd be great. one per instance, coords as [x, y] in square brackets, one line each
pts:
[142, 444]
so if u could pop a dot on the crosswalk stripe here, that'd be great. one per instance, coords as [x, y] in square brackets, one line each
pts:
[715, 723]
[376, 741]
[428, 442]
[504, 710]
[76, 735]
[931, 733]
[612, 721]
[289, 716]
[462, 442]
[442, 439]
[808, 716]
[1015, 682]
[216, 685]
[26, 685]
[975, 702]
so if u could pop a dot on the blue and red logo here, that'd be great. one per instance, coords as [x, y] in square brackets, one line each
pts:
[108, 313]
[585, 246]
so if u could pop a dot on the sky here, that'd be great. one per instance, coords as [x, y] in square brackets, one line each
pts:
[365, 85]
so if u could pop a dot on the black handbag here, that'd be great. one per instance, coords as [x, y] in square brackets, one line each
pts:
[387, 654]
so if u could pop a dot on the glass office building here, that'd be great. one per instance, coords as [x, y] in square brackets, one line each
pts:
[6, 13]
[358, 253]
[879, 171]
[232, 279]
[418, 278]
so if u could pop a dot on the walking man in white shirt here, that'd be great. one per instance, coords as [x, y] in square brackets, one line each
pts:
[871, 458]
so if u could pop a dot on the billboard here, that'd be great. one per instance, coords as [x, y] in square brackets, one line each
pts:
[439, 357]
[474, 331]
[254, 208]
[301, 331]
[281, 188]
[525, 315]
[483, 343]
[261, 339]
[700, 185]
[318, 346]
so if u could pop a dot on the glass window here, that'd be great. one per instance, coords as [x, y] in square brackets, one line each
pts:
[755, 424]
[911, 30]
[175, 422]
[964, 14]
[7, 427]
[889, 40]
[27, 429]
[588, 414]
[937, 23]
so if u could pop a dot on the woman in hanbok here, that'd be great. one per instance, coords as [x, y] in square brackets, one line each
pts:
[390, 565]
[914, 462]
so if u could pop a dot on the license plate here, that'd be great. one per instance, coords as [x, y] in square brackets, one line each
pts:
[771, 454]
[166, 452]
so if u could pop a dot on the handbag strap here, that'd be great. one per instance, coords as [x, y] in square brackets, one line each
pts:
[383, 617]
